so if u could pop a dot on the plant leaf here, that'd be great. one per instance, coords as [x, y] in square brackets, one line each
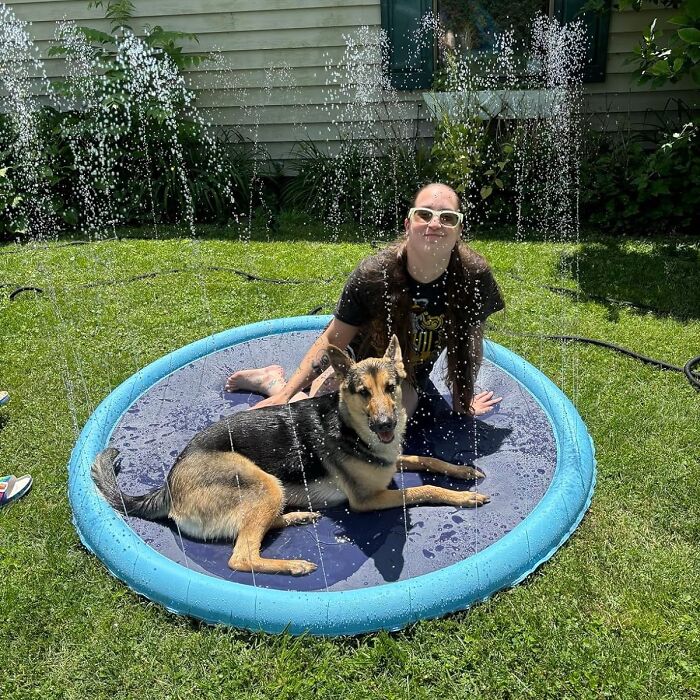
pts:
[690, 35]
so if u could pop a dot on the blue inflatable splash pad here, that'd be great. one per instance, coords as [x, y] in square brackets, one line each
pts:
[379, 570]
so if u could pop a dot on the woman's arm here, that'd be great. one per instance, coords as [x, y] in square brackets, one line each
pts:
[315, 361]
[484, 401]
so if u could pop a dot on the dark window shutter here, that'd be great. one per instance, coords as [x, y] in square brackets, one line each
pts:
[410, 69]
[597, 26]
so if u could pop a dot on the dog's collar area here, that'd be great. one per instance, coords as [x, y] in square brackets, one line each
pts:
[361, 448]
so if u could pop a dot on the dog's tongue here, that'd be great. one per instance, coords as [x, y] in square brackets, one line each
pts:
[386, 435]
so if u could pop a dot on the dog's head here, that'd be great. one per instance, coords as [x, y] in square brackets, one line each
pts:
[370, 392]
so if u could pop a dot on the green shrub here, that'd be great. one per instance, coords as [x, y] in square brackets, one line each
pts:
[643, 184]
[28, 200]
[661, 59]
[126, 147]
[12, 220]
[474, 156]
[369, 184]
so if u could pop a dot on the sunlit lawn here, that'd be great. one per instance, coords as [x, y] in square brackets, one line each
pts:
[614, 614]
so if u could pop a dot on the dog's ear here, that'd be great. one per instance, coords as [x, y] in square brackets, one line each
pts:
[393, 354]
[339, 360]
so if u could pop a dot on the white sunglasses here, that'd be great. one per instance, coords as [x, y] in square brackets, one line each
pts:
[446, 217]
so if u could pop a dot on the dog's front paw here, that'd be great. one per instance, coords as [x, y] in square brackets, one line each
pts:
[300, 567]
[471, 499]
[301, 517]
[470, 472]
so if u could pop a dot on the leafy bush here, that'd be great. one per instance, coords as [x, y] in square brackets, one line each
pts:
[12, 220]
[147, 183]
[641, 183]
[126, 145]
[660, 60]
[369, 184]
[28, 198]
[474, 156]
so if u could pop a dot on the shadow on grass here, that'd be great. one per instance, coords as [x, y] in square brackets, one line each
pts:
[663, 279]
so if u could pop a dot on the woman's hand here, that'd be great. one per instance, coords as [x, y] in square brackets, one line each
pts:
[483, 402]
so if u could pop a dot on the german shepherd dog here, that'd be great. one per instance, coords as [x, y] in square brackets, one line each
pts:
[234, 480]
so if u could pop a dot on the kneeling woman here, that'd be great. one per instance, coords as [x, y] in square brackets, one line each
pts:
[429, 288]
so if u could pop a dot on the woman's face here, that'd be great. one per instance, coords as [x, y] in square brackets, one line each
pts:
[432, 236]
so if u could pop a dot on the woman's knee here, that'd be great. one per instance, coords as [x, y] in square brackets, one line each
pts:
[409, 397]
[325, 383]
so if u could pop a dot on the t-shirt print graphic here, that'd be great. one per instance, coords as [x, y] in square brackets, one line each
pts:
[426, 331]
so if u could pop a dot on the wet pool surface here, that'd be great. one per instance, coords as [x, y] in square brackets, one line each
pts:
[514, 446]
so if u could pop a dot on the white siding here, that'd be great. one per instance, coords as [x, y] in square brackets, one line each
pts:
[306, 36]
[620, 100]
[253, 40]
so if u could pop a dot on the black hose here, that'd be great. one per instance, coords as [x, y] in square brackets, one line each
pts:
[17, 251]
[248, 276]
[691, 373]
[688, 369]
[19, 291]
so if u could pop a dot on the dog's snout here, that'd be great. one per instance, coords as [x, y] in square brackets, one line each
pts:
[382, 423]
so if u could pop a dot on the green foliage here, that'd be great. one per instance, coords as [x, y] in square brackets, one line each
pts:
[121, 12]
[30, 189]
[632, 185]
[496, 174]
[474, 155]
[457, 151]
[12, 220]
[118, 11]
[368, 185]
[145, 184]
[129, 140]
[658, 62]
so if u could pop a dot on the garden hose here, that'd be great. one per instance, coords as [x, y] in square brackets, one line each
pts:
[689, 369]
[62, 244]
[248, 276]
[19, 290]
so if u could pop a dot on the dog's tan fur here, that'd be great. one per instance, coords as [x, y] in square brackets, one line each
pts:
[222, 494]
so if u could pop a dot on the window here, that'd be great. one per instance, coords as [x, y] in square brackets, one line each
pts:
[469, 24]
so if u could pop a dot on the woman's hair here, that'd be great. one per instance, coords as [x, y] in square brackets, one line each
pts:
[387, 279]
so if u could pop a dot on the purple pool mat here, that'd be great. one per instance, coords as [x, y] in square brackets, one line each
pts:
[513, 445]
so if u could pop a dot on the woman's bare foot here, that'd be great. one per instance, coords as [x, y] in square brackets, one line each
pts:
[265, 380]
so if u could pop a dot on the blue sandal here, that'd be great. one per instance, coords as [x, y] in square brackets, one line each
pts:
[12, 488]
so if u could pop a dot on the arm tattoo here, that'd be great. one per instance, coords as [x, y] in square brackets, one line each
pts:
[320, 363]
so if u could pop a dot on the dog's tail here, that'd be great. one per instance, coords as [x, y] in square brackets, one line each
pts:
[152, 505]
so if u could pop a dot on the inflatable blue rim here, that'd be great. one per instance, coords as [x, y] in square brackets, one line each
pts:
[392, 606]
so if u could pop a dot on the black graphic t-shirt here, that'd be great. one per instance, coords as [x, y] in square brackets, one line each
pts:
[427, 311]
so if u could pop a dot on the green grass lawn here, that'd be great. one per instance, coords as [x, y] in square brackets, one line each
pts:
[615, 613]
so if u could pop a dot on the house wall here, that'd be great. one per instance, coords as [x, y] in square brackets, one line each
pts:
[619, 101]
[253, 38]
